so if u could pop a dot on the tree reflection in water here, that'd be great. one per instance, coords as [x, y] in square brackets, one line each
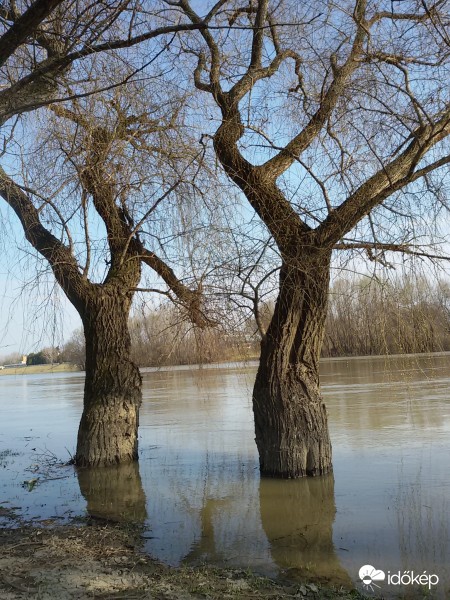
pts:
[207, 547]
[114, 493]
[297, 517]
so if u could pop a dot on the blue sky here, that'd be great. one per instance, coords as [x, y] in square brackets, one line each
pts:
[31, 316]
[29, 321]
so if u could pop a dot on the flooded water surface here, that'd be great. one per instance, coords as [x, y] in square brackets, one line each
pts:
[197, 493]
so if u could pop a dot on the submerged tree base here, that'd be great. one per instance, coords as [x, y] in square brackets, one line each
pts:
[291, 428]
[298, 460]
[293, 473]
[108, 433]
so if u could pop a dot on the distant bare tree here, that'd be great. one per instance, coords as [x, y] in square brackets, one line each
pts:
[74, 350]
[11, 359]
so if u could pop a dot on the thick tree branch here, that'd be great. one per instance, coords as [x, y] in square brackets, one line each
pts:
[267, 200]
[264, 196]
[123, 234]
[258, 35]
[61, 260]
[202, 25]
[278, 164]
[414, 17]
[98, 183]
[189, 299]
[38, 87]
[25, 26]
[387, 180]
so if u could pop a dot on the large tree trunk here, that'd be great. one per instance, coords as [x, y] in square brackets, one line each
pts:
[112, 393]
[290, 416]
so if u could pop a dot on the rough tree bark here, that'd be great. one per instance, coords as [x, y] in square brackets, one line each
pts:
[108, 431]
[290, 416]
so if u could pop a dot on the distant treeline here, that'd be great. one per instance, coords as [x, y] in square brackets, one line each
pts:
[365, 317]
[162, 338]
[389, 317]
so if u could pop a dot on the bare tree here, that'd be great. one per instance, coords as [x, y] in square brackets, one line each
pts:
[61, 55]
[333, 121]
[74, 350]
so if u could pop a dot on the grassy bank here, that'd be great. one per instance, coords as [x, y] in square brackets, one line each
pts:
[98, 560]
[36, 369]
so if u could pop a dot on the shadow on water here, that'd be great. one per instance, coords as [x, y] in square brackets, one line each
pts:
[297, 517]
[114, 493]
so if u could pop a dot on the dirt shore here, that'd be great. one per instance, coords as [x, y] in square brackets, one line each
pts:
[103, 560]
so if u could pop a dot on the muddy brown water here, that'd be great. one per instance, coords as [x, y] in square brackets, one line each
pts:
[197, 494]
